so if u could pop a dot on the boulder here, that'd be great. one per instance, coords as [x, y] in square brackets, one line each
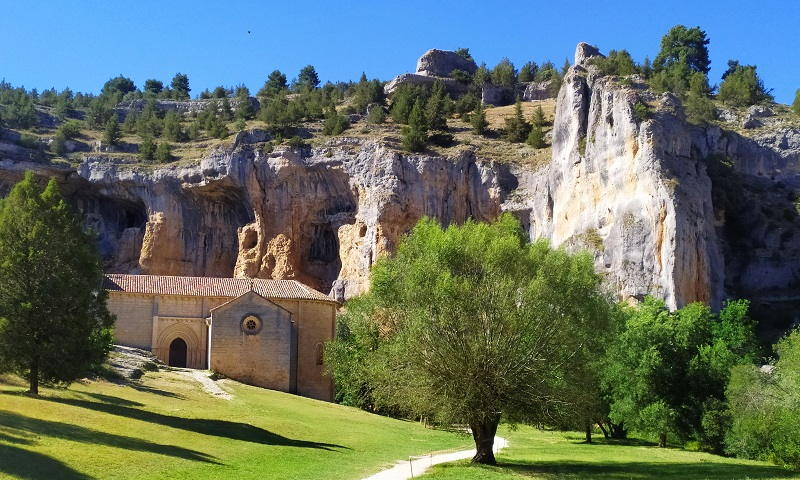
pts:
[440, 63]
[497, 96]
[584, 52]
[537, 90]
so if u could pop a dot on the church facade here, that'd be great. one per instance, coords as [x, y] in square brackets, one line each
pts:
[268, 333]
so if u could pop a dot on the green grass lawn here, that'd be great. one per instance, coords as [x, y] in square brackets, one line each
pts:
[169, 428]
[563, 455]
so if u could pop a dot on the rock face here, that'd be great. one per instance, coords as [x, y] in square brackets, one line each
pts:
[584, 52]
[180, 106]
[440, 63]
[321, 216]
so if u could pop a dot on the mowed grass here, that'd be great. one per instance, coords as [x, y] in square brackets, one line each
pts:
[168, 428]
[563, 455]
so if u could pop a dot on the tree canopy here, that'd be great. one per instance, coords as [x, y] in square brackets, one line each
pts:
[54, 324]
[467, 325]
[686, 46]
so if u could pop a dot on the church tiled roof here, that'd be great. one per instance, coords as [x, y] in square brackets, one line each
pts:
[211, 287]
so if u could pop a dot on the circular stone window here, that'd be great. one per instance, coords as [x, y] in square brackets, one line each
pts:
[251, 324]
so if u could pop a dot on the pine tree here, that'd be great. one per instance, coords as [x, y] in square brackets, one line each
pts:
[415, 134]
[538, 117]
[517, 129]
[112, 133]
[147, 149]
[536, 137]
[436, 107]
[54, 325]
[335, 123]
[478, 120]
[163, 153]
[172, 127]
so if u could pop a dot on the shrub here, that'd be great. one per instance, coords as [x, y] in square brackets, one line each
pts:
[741, 86]
[70, 129]
[163, 153]
[296, 142]
[699, 107]
[461, 76]
[618, 62]
[376, 115]
[172, 128]
[466, 104]
[765, 417]
[335, 123]
[442, 139]
[536, 137]
[641, 111]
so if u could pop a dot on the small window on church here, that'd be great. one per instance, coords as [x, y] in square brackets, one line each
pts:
[251, 324]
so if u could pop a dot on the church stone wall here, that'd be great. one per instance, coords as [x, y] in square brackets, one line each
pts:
[134, 324]
[264, 358]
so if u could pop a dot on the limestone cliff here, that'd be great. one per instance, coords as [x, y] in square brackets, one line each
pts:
[680, 211]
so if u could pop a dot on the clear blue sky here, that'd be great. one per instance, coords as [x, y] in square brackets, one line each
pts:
[81, 44]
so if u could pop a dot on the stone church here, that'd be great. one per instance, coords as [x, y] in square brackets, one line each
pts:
[268, 333]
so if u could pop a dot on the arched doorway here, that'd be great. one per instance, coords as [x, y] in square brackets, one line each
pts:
[177, 353]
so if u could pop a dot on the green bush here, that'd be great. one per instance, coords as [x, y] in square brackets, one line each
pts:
[765, 407]
[70, 129]
[335, 123]
[376, 115]
[741, 86]
[112, 132]
[699, 107]
[641, 111]
[536, 137]
[296, 142]
[163, 153]
[618, 62]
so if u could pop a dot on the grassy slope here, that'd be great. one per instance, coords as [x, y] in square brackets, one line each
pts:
[558, 455]
[168, 428]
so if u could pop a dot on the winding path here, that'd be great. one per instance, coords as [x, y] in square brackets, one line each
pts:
[416, 466]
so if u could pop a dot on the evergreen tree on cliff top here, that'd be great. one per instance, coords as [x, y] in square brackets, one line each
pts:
[468, 325]
[54, 324]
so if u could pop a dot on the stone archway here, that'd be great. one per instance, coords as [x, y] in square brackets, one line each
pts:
[177, 353]
[169, 333]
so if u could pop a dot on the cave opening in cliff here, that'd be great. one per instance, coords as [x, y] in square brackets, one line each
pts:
[324, 244]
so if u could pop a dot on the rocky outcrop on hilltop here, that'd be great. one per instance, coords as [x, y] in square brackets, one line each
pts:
[181, 106]
[441, 63]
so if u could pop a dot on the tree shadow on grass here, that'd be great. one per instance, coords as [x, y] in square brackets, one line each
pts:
[217, 428]
[24, 464]
[22, 428]
[645, 470]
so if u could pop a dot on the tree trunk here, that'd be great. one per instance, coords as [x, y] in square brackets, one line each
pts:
[483, 433]
[618, 430]
[662, 439]
[34, 377]
[588, 431]
[603, 429]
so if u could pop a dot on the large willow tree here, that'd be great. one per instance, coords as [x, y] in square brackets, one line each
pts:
[54, 323]
[470, 325]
